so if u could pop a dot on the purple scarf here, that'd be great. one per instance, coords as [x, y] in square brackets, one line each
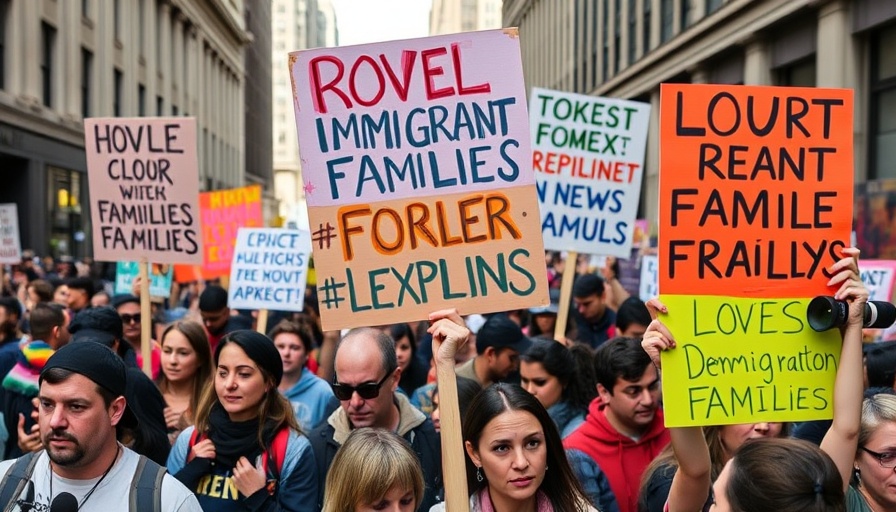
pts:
[542, 503]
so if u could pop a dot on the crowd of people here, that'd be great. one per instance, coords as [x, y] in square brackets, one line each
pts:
[299, 419]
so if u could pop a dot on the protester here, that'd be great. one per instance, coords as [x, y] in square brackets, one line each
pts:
[128, 308]
[311, 398]
[10, 336]
[366, 381]
[623, 430]
[562, 379]
[186, 373]
[245, 436]
[100, 299]
[413, 370]
[595, 322]
[374, 470]
[499, 343]
[467, 389]
[632, 318]
[80, 291]
[82, 388]
[217, 317]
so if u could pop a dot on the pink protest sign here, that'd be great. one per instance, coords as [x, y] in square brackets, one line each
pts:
[418, 180]
[144, 189]
[878, 276]
[224, 212]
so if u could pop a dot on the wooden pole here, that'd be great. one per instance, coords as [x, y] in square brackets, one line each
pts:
[454, 469]
[262, 321]
[145, 319]
[569, 275]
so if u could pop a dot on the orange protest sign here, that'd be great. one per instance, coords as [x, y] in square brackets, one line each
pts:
[223, 213]
[754, 181]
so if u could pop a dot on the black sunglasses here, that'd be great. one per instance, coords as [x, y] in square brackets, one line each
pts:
[367, 391]
[126, 318]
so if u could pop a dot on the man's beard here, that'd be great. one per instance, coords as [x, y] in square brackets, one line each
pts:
[69, 457]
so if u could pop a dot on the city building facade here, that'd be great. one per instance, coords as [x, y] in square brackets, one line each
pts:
[63, 61]
[452, 16]
[627, 48]
[258, 94]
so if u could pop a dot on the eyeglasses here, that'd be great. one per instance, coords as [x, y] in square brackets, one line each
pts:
[886, 459]
[126, 318]
[367, 391]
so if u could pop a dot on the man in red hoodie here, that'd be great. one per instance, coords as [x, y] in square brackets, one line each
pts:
[624, 429]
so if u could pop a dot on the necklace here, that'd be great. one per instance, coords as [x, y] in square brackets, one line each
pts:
[98, 482]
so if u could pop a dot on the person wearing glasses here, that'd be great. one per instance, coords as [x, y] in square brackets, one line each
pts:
[233, 457]
[874, 482]
[366, 380]
[128, 308]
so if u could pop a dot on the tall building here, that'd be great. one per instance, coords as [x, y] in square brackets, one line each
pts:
[63, 61]
[452, 16]
[259, 105]
[626, 48]
[296, 25]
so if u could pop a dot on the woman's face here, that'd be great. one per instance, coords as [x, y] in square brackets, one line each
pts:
[395, 500]
[540, 384]
[879, 483]
[546, 323]
[403, 352]
[734, 436]
[179, 360]
[720, 499]
[435, 415]
[60, 295]
[512, 454]
[239, 383]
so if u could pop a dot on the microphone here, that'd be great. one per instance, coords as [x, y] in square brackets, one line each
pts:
[825, 312]
[64, 502]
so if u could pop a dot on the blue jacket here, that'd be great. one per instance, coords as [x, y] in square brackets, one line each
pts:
[594, 481]
[311, 399]
[566, 417]
[296, 492]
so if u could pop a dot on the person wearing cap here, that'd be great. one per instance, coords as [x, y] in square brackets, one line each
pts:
[217, 317]
[366, 383]
[20, 384]
[82, 405]
[128, 308]
[80, 291]
[595, 322]
[499, 343]
[230, 457]
[103, 325]
[623, 430]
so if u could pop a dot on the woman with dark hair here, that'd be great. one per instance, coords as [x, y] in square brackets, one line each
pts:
[515, 458]
[562, 379]
[413, 371]
[186, 372]
[246, 437]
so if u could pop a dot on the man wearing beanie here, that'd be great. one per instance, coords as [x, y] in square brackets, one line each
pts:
[82, 389]
[595, 322]
[216, 316]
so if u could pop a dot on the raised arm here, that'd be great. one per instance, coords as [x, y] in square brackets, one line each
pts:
[692, 480]
[841, 440]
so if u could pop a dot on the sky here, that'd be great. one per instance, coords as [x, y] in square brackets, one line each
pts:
[369, 21]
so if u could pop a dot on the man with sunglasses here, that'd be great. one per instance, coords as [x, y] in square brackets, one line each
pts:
[366, 380]
[128, 308]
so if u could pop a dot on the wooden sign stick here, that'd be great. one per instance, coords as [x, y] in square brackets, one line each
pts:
[454, 469]
[145, 318]
[569, 275]
[261, 323]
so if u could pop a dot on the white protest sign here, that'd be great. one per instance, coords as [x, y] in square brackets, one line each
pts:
[648, 288]
[588, 158]
[878, 278]
[269, 269]
[10, 245]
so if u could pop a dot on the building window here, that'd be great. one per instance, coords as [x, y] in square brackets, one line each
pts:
[4, 9]
[666, 23]
[605, 65]
[116, 18]
[174, 110]
[632, 31]
[141, 26]
[798, 74]
[160, 106]
[48, 39]
[617, 36]
[141, 100]
[883, 104]
[86, 69]
[647, 26]
[116, 101]
[85, 8]
[713, 5]
[684, 11]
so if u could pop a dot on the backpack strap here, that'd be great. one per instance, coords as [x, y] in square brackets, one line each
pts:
[195, 437]
[15, 478]
[146, 487]
[273, 459]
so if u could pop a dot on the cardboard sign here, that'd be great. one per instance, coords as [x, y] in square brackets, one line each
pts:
[588, 157]
[224, 212]
[144, 184]
[878, 277]
[648, 287]
[160, 278]
[270, 269]
[415, 156]
[756, 191]
[10, 243]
